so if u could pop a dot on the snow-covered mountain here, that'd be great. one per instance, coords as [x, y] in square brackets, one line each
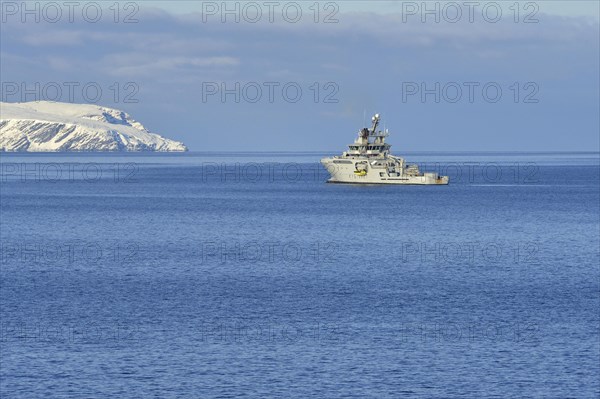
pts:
[52, 126]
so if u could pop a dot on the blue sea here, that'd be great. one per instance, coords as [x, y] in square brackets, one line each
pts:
[230, 275]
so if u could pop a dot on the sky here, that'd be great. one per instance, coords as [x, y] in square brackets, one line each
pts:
[555, 7]
[306, 76]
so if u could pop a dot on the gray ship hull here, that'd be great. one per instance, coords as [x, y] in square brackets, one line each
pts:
[347, 173]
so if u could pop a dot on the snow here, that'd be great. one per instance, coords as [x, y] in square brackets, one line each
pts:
[45, 126]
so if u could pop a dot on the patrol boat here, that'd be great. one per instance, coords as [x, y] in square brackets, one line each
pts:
[368, 161]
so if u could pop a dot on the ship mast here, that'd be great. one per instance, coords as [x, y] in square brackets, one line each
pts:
[375, 120]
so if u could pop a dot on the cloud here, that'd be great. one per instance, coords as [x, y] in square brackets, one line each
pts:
[135, 65]
[53, 38]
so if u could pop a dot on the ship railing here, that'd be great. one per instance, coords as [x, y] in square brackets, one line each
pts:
[379, 134]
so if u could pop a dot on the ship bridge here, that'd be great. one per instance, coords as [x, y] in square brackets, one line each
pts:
[370, 142]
